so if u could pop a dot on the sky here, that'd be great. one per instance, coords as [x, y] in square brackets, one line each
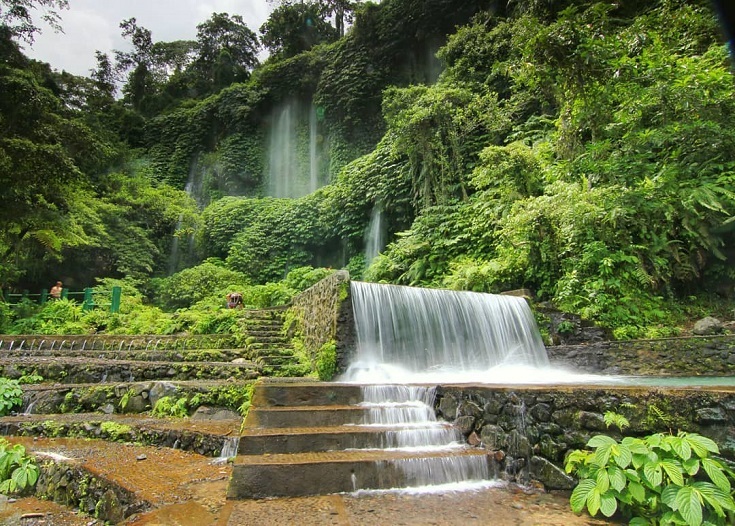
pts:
[91, 25]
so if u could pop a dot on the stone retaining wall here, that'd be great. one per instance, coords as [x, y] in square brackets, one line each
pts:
[325, 314]
[75, 487]
[692, 356]
[532, 429]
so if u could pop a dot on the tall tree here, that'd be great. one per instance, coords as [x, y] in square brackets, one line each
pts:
[294, 28]
[16, 15]
[227, 50]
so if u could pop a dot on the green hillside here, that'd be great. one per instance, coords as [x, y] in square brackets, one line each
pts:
[580, 149]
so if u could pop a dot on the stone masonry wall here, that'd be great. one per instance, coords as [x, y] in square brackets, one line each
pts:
[532, 429]
[325, 313]
[693, 356]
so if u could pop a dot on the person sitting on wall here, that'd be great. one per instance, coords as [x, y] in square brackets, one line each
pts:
[234, 300]
[56, 291]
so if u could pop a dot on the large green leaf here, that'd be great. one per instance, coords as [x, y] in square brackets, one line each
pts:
[681, 447]
[594, 500]
[715, 496]
[617, 478]
[702, 446]
[689, 505]
[608, 504]
[601, 440]
[691, 466]
[580, 494]
[652, 472]
[674, 471]
[603, 481]
[623, 455]
[668, 496]
[715, 471]
[637, 491]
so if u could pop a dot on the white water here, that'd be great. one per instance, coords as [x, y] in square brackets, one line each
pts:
[294, 154]
[374, 236]
[313, 152]
[282, 155]
[407, 413]
[413, 335]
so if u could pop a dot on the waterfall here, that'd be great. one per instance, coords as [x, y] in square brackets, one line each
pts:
[408, 414]
[282, 155]
[295, 157]
[409, 334]
[374, 236]
[194, 190]
[313, 154]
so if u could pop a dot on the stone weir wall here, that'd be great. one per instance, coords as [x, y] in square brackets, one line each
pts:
[693, 356]
[325, 314]
[531, 429]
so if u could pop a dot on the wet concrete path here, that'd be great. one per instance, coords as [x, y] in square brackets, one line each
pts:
[187, 489]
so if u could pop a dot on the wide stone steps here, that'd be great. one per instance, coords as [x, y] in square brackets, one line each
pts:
[273, 441]
[310, 438]
[261, 476]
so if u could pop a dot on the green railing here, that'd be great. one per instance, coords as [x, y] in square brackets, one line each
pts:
[88, 298]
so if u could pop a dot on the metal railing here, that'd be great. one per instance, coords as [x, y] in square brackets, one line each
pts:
[88, 298]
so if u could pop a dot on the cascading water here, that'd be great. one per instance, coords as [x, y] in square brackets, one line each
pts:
[406, 415]
[295, 155]
[408, 334]
[412, 335]
[282, 159]
[374, 236]
[313, 152]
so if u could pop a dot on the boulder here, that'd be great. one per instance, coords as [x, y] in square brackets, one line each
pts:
[707, 326]
[550, 475]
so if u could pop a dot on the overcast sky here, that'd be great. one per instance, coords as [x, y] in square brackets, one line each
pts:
[91, 25]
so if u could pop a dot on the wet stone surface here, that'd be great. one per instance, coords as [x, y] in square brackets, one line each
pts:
[187, 489]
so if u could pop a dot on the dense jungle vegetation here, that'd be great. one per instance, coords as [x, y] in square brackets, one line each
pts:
[584, 150]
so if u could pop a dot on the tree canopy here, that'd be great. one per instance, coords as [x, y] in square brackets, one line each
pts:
[581, 149]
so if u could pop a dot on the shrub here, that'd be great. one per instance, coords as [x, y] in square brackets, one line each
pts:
[10, 395]
[659, 479]
[17, 470]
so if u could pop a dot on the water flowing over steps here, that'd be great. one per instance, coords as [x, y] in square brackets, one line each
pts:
[311, 438]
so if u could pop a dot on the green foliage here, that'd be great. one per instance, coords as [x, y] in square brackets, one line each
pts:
[659, 479]
[191, 285]
[17, 470]
[10, 395]
[326, 361]
[169, 406]
[116, 431]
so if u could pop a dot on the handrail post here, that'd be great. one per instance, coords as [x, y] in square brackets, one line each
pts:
[115, 302]
[44, 296]
[88, 301]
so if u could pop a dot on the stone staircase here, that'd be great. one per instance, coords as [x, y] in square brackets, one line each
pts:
[304, 438]
[267, 344]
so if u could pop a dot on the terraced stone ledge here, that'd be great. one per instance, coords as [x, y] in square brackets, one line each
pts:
[206, 438]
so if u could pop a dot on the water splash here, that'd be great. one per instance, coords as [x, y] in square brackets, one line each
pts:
[408, 334]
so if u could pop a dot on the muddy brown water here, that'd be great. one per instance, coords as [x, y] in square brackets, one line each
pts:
[187, 489]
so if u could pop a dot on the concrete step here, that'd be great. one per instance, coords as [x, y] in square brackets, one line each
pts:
[321, 416]
[261, 476]
[299, 392]
[270, 441]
